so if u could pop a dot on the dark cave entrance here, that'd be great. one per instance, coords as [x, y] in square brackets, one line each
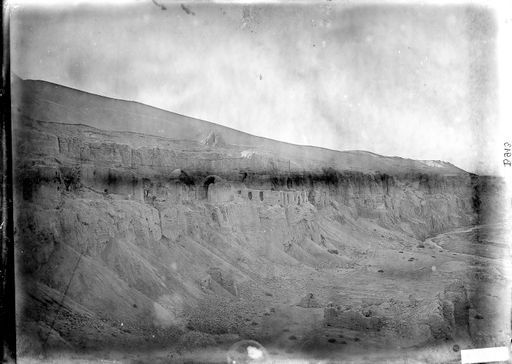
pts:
[207, 182]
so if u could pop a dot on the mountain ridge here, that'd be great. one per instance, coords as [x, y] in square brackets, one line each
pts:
[197, 132]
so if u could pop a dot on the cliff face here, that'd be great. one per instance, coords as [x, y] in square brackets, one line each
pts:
[133, 231]
[416, 202]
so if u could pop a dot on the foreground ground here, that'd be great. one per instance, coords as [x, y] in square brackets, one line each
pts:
[385, 280]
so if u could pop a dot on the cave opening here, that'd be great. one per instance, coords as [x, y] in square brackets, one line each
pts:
[206, 184]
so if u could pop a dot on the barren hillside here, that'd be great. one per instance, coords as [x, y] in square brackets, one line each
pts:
[144, 228]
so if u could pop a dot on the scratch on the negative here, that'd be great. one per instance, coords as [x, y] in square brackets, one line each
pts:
[159, 5]
[187, 10]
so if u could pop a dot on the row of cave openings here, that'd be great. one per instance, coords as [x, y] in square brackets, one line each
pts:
[212, 179]
[250, 195]
[203, 189]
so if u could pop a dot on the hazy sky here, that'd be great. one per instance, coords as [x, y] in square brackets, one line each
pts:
[408, 80]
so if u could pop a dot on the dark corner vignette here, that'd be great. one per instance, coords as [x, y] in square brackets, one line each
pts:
[7, 304]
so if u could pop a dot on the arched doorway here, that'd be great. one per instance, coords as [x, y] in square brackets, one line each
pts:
[207, 182]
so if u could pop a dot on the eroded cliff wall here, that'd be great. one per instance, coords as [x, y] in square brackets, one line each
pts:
[147, 224]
